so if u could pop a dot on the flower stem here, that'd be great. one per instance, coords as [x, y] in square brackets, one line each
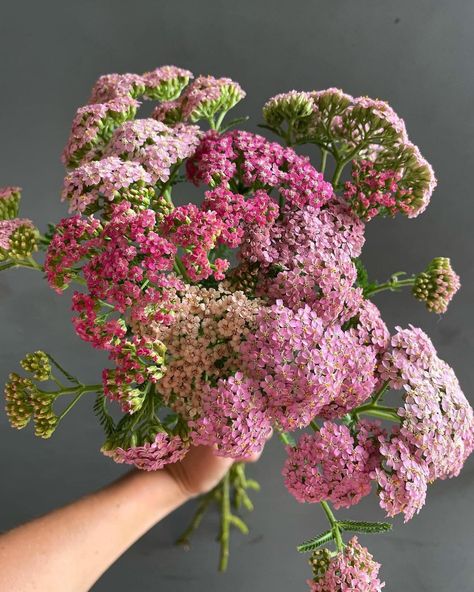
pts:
[185, 538]
[180, 269]
[380, 393]
[388, 413]
[334, 525]
[337, 172]
[393, 284]
[324, 157]
[225, 523]
[285, 438]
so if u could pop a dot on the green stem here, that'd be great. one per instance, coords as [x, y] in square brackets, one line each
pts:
[219, 121]
[79, 389]
[391, 285]
[314, 426]
[334, 525]
[324, 157]
[337, 172]
[388, 413]
[185, 538]
[225, 523]
[71, 405]
[285, 438]
[379, 394]
[180, 269]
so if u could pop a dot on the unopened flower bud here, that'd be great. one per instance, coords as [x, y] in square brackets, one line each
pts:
[38, 364]
[437, 285]
[18, 238]
[45, 418]
[165, 83]
[9, 202]
[292, 106]
[319, 562]
[18, 405]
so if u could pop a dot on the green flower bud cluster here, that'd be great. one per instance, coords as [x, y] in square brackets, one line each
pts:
[24, 401]
[139, 194]
[38, 364]
[295, 108]
[229, 94]
[437, 285]
[9, 202]
[22, 241]
[319, 562]
[167, 90]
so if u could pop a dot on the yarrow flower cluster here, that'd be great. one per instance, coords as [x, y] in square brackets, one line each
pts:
[249, 311]
[352, 569]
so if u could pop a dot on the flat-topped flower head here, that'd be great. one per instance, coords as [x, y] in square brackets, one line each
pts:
[233, 420]
[203, 342]
[254, 164]
[165, 83]
[351, 569]
[205, 98]
[93, 185]
[305, 369]
[114, 86]
[437, 285]
[164, 449]
[156, 146]
[374, 190]
[93, 126]
[328, 465]
[9, 202]
[402, 480]
[18, 238]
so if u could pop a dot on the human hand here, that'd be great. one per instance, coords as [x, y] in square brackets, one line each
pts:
[201, 470]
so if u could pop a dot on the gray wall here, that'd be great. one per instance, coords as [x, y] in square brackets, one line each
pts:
[418, 56]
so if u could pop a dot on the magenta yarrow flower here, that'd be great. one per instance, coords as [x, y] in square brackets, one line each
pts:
[258, 163]
[376, 191]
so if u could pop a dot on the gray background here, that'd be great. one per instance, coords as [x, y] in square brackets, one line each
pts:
[415, 54]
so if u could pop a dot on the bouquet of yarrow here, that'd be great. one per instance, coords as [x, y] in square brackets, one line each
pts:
[251, 311]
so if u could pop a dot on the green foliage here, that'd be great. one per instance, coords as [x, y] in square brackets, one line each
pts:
[364, 527]
[319, 541]
[102, 414]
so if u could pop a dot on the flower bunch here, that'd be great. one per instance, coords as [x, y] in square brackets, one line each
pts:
[249, 310]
